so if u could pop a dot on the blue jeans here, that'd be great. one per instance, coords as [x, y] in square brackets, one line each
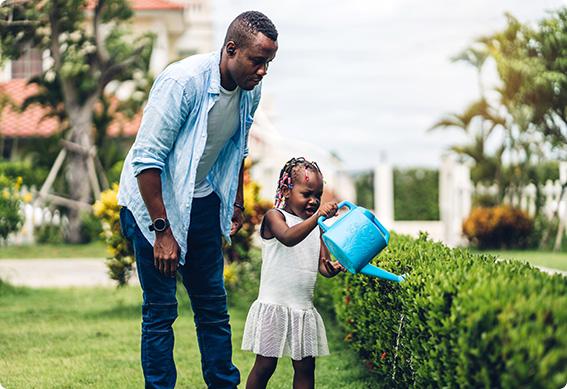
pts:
[203, 279]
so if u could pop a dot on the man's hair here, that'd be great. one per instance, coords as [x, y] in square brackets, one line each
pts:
[247, 24]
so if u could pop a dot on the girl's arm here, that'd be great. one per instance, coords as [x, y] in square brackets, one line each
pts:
[327, 267]
[274, 225]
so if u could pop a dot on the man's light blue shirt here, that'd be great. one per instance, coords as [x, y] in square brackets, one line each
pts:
[172, 138]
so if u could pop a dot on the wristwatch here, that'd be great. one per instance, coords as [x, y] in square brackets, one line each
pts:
[159, 224]
[239, 206]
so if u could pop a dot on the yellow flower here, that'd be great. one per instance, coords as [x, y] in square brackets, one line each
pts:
[109, 198]
[98, 208]
[27, 198]
[230, 275]
[18, 183]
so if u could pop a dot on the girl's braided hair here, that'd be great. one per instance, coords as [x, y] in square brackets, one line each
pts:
[289, 174]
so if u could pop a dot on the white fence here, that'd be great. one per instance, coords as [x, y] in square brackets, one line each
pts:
[35, 216]
[526, 198]
[455, 199]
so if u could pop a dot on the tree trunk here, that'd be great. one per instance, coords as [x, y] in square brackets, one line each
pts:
[77, 170]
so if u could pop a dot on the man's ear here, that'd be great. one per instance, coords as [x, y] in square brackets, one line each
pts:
[230, 48]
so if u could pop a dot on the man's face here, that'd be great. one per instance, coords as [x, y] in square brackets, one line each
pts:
[249, 64]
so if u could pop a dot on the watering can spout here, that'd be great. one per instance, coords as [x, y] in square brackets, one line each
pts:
[371, 270]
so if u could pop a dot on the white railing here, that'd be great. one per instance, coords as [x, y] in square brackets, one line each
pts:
[526, 197]
[35, 215]
[455, 200]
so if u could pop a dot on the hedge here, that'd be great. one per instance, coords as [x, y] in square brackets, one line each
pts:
[416, 194]
[460, 320]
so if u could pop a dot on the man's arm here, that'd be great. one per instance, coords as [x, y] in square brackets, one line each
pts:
[166, 248]
[238, 215]
[168, 106]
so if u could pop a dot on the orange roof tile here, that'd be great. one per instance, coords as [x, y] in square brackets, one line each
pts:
[146, 5]
[31, 122]
[122, 126]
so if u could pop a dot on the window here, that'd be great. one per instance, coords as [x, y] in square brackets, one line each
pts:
[29, 64]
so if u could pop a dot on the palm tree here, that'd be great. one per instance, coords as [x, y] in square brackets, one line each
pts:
[478, 122]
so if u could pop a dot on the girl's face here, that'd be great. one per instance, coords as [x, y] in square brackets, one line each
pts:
[304, 198]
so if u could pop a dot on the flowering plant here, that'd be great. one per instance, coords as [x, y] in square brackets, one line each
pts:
[121, 259]
[11, 217]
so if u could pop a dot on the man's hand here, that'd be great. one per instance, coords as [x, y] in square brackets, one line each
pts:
[327, 210]
[237, 220]
[166, 253]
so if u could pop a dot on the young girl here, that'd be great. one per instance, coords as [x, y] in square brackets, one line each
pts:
[283, 320]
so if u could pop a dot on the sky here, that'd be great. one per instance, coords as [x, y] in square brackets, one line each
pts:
[366, 79]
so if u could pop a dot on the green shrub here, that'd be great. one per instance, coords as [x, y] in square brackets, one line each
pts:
[31, 175]
[242, 278]
[459, 320]
[49, 234]
[543, 234]
[364, 186]
[499, 227]
[91, 228]
[416, 194]
[120, 262]
[11, 217]
[255, 208]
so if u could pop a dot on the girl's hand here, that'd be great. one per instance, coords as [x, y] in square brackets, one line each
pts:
[333, 267]
[328, 210]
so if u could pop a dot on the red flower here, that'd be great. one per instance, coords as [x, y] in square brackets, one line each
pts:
[383, 356]
[347, 299]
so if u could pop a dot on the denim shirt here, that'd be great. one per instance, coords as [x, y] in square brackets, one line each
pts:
[172, 138]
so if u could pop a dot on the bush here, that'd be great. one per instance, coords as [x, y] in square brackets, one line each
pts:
[31, 175]
[364, 185]
[11, 217]
[459, 320]
[499, 227]
[121, 261]
[416, 194]
[255, 208]
[91, 227]
[242, 279]
[49, 233]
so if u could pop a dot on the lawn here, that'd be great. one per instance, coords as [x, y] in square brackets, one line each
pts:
[553, 260]
[64, 250]
[74, 338]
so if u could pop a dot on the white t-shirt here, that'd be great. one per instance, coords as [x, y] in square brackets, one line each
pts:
[222, 123]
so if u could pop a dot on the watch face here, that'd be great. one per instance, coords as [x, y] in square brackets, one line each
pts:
[159, 224]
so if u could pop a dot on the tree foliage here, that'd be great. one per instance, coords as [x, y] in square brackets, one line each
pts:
[525, 114]
[92, 50]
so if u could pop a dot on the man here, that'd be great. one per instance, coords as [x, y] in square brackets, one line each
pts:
[181, 191]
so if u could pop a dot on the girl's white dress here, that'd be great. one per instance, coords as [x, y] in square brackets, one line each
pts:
[283, 320]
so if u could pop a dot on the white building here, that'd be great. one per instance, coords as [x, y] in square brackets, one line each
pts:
[271, 150]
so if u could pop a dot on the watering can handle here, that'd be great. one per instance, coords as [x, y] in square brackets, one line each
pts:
[384, 230]
[339, 206]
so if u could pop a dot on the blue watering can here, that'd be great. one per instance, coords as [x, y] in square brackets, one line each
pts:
[355, 238]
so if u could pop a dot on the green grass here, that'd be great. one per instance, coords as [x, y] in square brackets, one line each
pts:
[90, 250]
[554, 260]
[75, 338]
